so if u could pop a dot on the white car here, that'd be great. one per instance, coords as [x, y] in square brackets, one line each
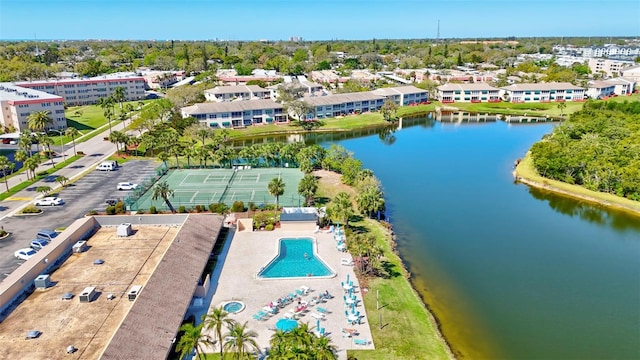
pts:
[127, 186]
[49, 201]
[24, 254]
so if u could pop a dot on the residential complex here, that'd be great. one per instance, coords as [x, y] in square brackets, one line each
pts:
[17, 103]
[611, 87]
[239, 92]
[87, 91]
[237, 113]
[343, 104]
[404, 95]
[543, 92]
[476, 92]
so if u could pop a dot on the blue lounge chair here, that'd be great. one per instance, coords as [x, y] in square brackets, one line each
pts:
[321, 310]
[361, 341]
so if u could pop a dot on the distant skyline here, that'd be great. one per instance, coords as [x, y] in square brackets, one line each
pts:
[314, 19]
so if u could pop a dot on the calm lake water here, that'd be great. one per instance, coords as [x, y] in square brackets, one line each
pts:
[510, 272]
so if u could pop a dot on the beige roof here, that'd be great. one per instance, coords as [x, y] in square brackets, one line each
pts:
[470, 87]
[212, 108]
[154, 319]
[399, 90]
[235, 89]
[600, 84]
[341, 98]
[543, 86]
[10, 91]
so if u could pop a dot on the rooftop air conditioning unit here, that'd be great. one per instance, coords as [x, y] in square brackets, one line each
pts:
[88, 294]
[133, 293]
[42, 282]
[79, 247]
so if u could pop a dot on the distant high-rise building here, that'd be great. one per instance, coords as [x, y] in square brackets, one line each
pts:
[295, 38]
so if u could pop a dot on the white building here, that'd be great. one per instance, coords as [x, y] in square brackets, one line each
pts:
[632, 73]
[239, 92]
[612, 68]
[475, 93]
[86, 91]
[343, 104]
[543, 92]
[237, 114]
[17, 103]
[600, 89]
[404, 95]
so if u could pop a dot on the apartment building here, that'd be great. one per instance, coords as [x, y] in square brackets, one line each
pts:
[87, 91]
[600, 90]
[17, 103]
[239, 92]
[237, 114]
[632, 73]
[543, 92]
[623, 86]
[475, 93]
[343, 104]
[404, 95]
[610, 68]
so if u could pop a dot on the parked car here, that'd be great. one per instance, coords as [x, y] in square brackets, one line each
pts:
[109, 165]
[49, 201]
[127, 186]
[24, 254]
[46, 234]
[38, 244]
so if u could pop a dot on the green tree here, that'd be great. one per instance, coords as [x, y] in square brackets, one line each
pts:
[119, 96]
[44, 190]
[47, 142]
[62, 180]
[342, 207]
[307, 187]
[32, 163]
[216, 320]
[276, 188]
[106, 103]
[39, 120]
[388, 110]
[192, 338]
[241, 341]
[561, 107]
[6, 166]
[73, 134]
[162, 191]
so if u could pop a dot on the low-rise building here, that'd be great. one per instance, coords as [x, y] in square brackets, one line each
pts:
[240, 92]
[623, 86]
[17, 103]
[237, 114]
[86, 91]
[632, 73]
[475, 93]
[343, 104]
[404, 95]
[600, 89]
[610, 68]
[543, 92]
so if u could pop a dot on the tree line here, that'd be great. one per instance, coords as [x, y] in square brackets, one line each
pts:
[597, 148]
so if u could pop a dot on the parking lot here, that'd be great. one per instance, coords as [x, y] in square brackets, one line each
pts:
[86, 194]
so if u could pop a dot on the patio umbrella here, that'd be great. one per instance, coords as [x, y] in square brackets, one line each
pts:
[347, 278]
[318, 325]
[353, 308]
[286, 325]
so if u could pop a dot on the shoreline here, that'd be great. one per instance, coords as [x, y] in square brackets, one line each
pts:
[526, 174]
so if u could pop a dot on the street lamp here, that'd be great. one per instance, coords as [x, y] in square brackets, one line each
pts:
[61, 133]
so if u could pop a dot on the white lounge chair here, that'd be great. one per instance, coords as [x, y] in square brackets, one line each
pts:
[317, 316]
[346, 261]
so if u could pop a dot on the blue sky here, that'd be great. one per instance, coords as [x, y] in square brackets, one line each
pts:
[314, 19]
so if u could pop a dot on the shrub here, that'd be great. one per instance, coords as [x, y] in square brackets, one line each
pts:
[42, 173]
[270, 207]
[238, 206]
[219, 208]
[199, 208]
[140, 212]
[252, 206]
[92, 212]
[110, 210]
[120, 208]
[269, 227]
[182, 209]
[3, 233]
[31, 209]
[153, 210]
[80, 153]
[263, 219]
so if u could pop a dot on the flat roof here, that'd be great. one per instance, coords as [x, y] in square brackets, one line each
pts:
[543, 86]
[219, 107]
[235, 89]
[463, 87]
[11, 91]
[342, 98]
[155, 317]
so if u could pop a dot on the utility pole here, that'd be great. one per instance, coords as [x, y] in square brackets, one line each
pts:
[438, 33]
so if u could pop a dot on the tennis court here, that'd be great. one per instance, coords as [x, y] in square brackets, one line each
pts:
[209, 186]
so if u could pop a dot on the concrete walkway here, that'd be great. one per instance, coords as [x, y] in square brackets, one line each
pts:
[95, 149]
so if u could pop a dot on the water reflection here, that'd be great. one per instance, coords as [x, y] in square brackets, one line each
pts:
[587, 211]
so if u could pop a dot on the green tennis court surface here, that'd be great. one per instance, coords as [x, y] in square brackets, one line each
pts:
[209, 186]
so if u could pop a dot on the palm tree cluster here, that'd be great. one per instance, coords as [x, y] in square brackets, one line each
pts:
[238, 341]
[108, 105]
[301, 343]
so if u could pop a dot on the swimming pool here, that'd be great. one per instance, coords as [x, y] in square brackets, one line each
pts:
[296, 258]
[233, 307]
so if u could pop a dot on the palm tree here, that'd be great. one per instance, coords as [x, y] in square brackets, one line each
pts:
[6, 165]
[163, 156]
[241, 341]
[276, 188]
[38, 120]
[215, 320]
[25, 141]
[118, 95]
[190, 151]
[176, 149]
[307, 187]
[162, 191]
[106, 104]
[343, 207]
[115, 139]
[323, 349]
[73, 134]
[561, 107]
[192, 338]
[47, 141]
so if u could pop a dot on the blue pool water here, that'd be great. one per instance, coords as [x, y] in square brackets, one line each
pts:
[233, 307]
[296, 258]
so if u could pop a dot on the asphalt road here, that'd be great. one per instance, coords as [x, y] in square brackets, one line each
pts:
[86, 194]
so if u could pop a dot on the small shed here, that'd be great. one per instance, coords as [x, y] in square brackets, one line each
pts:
[298, 218]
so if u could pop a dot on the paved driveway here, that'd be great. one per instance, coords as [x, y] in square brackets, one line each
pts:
[86, 194]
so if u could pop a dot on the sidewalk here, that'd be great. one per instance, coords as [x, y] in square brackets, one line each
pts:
[95, 149]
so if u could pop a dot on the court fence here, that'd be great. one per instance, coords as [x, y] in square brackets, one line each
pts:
[146, 185]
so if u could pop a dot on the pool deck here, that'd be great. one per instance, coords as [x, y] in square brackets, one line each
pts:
[250, 251]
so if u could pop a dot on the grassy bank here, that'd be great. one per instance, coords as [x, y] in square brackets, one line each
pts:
[408, 329]
[527, 174]
[41, 175]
